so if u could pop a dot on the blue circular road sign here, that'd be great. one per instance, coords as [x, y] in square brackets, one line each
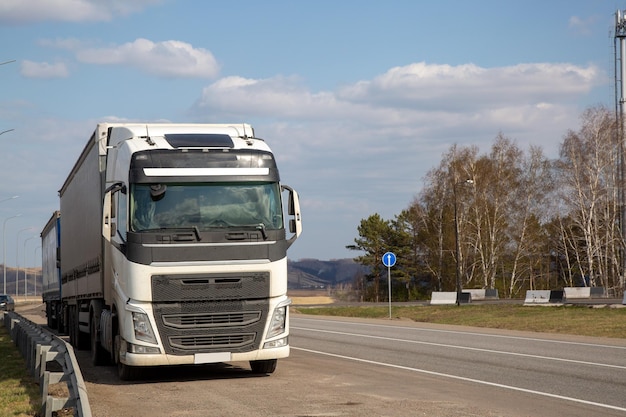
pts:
[389, 259]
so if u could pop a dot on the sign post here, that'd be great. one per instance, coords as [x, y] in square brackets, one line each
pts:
[389, 260]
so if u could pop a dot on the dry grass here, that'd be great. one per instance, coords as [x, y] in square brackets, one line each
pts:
[583, 321]
[19, 393]
[319, 300]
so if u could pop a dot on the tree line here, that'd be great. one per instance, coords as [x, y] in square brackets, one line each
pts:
[509, 219]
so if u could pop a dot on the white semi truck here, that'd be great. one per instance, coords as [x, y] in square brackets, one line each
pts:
[173, 247]
[50, 270]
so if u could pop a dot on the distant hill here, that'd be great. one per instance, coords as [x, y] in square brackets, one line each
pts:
[313, 273]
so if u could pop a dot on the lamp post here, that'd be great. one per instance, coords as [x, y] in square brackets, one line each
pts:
[459, 289]
[9, 198]
[4, 250]
[25, 273]
[17, 259]
[35, 257]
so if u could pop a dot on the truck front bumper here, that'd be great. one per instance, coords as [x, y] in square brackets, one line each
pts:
[134, 359]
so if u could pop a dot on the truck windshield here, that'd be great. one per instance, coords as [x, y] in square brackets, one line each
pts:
[205, 206]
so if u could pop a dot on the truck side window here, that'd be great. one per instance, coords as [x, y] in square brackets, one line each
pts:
[119, 217]
[122, 216]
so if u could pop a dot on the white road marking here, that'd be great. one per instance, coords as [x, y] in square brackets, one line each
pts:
[463, 348]
[477, 381]
[421, 329]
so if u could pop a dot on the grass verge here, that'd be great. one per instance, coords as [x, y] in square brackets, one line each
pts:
[575, 320]
[19, 393]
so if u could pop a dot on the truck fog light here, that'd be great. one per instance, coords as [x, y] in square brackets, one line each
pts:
[279, 320]
[276, 343]
[143, 328]
[132, 348]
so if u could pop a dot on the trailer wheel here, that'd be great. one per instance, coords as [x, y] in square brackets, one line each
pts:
[61, 321]
[82, 338]
[71, 328]
[99, 356]
[264, 367]
[50, 312]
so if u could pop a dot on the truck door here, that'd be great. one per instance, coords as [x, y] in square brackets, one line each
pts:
[114, 220]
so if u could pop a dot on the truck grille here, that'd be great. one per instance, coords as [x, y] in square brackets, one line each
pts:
[211, 326]
[218, 341]
[203, 287]
[195, 321]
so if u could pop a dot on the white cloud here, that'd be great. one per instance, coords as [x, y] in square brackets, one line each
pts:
[282, 97]
[30, 69]
[21, 11]
[418, 99]
[169, 59]
[445, 87]
[582, 26]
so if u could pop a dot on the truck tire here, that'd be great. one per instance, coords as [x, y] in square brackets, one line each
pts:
[50, 312]
[264, 367]
[70, 326]
[83, 342]
[99, 356]
[61, 321]
[124, 372]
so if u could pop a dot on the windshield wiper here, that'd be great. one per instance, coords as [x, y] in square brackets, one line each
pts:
[194, 229]
[261, 227]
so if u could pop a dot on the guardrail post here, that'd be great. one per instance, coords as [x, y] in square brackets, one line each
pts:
[39, 348]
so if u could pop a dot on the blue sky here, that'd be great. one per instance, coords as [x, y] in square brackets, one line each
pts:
[357, 98]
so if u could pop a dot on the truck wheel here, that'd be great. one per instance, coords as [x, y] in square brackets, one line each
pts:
[82, 338]
[124, 372]
[98, 355]
[61, 323]
[70, 326]
[264, 367]
[50, 322]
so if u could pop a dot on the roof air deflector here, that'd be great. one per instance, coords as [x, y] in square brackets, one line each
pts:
[199, 140]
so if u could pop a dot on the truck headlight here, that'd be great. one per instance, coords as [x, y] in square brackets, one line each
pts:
[279, 322]
[143, 328]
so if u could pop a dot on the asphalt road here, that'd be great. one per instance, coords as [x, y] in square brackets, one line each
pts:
[352, 367]
[538, 374]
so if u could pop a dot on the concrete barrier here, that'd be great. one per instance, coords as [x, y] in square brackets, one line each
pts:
[449, 298]
[442, 298]
[483, 294]
[538, 297]
[556, 296]
[598, 292]
[573, 293]
[492, 293]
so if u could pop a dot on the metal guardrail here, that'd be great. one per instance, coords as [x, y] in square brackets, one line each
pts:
[43, 350]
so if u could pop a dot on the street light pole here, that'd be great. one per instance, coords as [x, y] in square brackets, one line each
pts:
[17, 260]
[34, 260]
[459, 289]
[25, 271]
[9, 198]
[4, 249]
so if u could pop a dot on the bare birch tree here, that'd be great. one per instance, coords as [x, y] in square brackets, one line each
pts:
[589, 190]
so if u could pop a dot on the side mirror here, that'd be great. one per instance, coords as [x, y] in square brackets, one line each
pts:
[293, 210]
